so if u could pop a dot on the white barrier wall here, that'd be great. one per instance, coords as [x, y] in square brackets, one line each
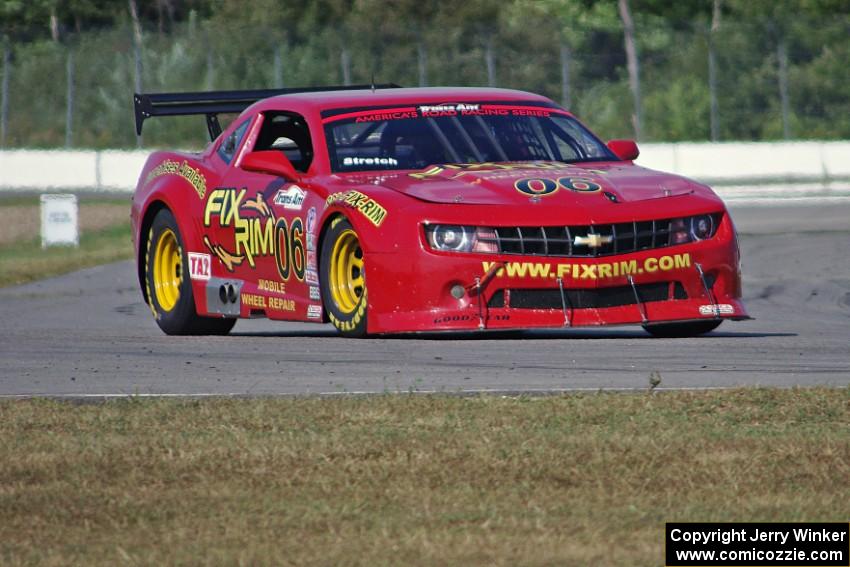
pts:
[724, 164]
[42, 169]
[121, 169]
[743, 162]
[62, 170]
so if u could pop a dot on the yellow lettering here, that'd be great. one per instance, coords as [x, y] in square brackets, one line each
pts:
[230, 207]
[683, 260]
[489, 265]
[353, 198]
[370, 208]
[604, 270]
[628, 267]
[539, 270]
[588, 272]
[665, 263]
[272, 286]
[436, 170]
[280, 304]
[651, 264]
[242, 236]
[264, 237]
[214, 205]
[517, 269]
[184, 170]
[377, 215]
[252, 300]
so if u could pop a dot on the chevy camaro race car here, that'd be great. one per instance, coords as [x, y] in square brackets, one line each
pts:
[385, 209]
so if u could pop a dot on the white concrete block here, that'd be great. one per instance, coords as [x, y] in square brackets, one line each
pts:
[47, 169]
[744, 161]
[836, 158]
[120, 170]
[658, 156]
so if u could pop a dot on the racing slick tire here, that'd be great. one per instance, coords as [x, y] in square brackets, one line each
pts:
[681, 330]
[169, 289]
[343, 279]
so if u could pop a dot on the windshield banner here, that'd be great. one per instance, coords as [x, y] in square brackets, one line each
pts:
[440, 110]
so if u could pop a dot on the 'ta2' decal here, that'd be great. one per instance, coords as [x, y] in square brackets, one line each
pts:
[199, 266]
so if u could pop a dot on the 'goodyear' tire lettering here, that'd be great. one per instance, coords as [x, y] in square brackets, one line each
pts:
[342, 280]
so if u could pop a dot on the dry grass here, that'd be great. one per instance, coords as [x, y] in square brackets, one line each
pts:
[405, 480]
[20, 219]
[104, 237]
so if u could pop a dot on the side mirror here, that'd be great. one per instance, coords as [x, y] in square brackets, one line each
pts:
[273, 162]
[624, 149]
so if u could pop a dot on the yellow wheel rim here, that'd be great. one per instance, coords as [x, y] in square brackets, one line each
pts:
[167, 270]
[347, 282]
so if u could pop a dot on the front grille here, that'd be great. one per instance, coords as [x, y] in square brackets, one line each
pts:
[578, 241]
[585, 298]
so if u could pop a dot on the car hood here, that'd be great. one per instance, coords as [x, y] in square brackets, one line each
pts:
[496, 184]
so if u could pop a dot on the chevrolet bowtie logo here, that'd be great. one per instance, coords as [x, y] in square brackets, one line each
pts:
[592, 240]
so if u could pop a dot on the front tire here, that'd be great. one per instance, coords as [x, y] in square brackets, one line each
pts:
[169, 288]
[343, 279]
[681, 330]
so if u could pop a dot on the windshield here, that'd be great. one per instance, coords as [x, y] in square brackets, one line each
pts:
[415, 137]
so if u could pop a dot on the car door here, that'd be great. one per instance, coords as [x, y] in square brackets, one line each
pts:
[263, 219]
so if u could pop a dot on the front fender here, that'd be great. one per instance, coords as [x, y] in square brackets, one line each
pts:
[384, 219]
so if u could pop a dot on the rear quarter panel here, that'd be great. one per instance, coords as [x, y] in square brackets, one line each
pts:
[179, 181]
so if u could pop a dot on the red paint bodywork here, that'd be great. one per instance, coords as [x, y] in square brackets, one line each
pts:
[409, 284]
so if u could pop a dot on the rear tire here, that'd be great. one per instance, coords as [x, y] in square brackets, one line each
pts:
[343, 279]
[169, 289]
[681, 330]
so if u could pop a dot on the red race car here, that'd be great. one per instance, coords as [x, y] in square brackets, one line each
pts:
[384, 209]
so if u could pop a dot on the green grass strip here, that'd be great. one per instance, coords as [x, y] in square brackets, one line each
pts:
[27, 261]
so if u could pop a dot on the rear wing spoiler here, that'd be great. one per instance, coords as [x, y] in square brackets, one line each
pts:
[213, 103]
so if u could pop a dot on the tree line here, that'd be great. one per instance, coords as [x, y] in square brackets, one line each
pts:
[660, 70]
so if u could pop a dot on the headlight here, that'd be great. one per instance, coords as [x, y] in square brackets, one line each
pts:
[702, 227]
[449, 238]
[454, 238]
[693, 229]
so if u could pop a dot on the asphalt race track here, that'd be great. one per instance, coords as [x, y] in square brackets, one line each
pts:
[90, 334]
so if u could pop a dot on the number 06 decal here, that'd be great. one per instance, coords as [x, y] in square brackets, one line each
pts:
[289, 249]
[541, 186]
[580, 184]
[536, 186]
